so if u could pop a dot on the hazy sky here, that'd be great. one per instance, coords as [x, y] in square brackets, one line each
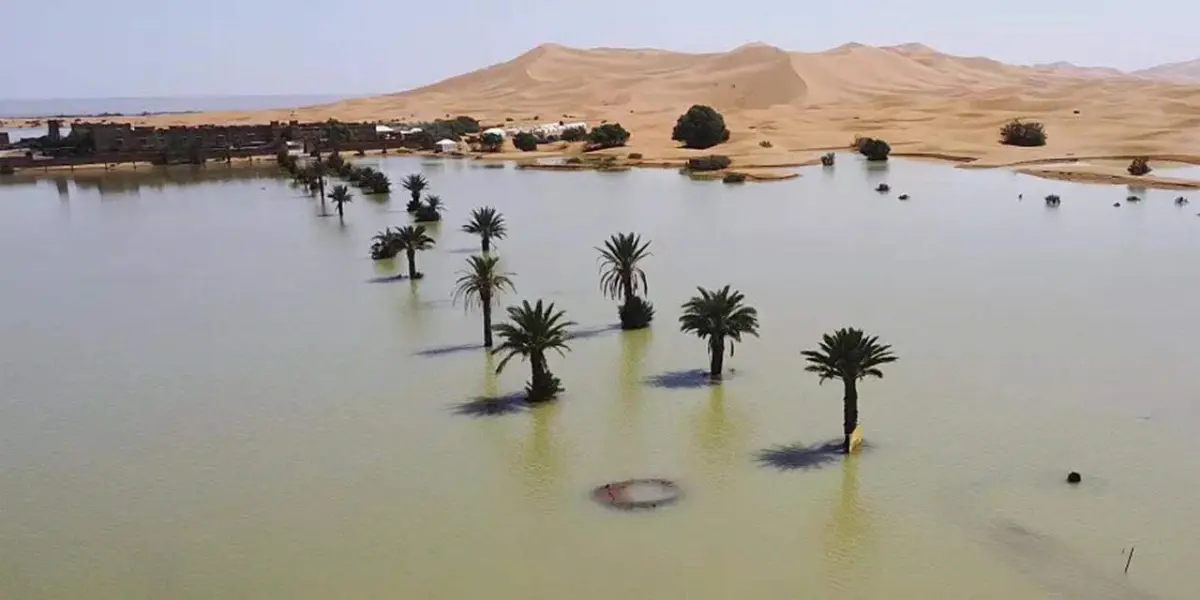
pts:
[108, 48]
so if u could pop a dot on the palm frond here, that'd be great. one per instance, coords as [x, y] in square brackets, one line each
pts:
[532, 329]
[482, 281]
[619, 262]
[486, 222]
[848, 353]
[719, 314]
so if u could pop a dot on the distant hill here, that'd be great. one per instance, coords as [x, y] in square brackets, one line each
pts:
[1187, 72]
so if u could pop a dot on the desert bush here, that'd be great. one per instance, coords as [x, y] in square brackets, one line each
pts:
[491, 142]
[874, 149]
[827, 159]
[734, 178]
[525, 142]
[574, 160]
[766, 144]
[635, 156]
[1139, 166]
[700, 127]
[1053, 200]
[715, 162]
[609, 135]
[7, 170]
[883, 187]
[1019, 133]
[574, 134]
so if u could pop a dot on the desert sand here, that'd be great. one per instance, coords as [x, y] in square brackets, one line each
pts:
[923, 102]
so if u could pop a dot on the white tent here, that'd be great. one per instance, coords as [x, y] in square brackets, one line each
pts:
[446, 145]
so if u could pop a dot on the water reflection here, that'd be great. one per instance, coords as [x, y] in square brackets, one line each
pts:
[126, 179]
[542, 460]
[629, 396]
[846, 533]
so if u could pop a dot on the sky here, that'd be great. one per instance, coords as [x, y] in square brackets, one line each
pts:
[125, 48]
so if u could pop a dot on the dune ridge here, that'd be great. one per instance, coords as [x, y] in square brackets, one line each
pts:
[922, 101]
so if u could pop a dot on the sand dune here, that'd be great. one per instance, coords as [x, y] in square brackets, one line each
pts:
[1180, 72]
[920, 100]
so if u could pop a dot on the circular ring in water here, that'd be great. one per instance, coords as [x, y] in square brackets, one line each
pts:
[637, 494]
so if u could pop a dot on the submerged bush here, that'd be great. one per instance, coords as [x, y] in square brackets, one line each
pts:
[734, 178]
[700, 127]
[827, 159]
[525, 142]
[1019, 133]
[883, 187]
[1053, 200]
[874, 149]
[1139, 166]
[636, 314]
[715, 162]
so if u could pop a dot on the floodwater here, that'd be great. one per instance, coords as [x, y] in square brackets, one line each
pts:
[204, 396]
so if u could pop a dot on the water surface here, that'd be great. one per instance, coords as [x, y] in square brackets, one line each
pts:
[204, 396]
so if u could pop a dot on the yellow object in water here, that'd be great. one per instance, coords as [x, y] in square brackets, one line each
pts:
[856, 439]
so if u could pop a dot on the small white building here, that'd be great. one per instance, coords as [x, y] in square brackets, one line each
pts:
[446, 145]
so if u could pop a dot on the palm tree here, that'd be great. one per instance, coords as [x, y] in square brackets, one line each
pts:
[486, 223]
[412, 239]
[415, 184]
[384, 245]
[533, 330]
[479, 285]
[318, 177]
[431, 210]
[621, 278]
[716, 315]
[848, 354]
[340, 195]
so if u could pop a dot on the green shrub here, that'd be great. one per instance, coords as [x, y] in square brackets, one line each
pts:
[1053, 200]
[715, 162]
[574, 160]
[700, 127]
[525, 142]
[827, 159]
[7, 170]
[574, 134]
[1139, 166]
[1018, 133]
[636, 314]
[874, 149]
[734, 178]
[491, 142]
[609, 135]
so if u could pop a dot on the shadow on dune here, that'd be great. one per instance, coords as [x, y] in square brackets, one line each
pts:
[485, 406]
[444, 350]
[799, 457]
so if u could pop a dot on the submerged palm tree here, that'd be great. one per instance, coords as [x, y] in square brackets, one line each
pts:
[431, 210]
[488, 224]
[534, 330]
[340, 195]
[479, 285]
[415, 184]
[412, 239]
[848, 354]
[621, 278]
[384, 246]
[716, 315]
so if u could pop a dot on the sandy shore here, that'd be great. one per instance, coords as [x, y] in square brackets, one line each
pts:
[785, 108]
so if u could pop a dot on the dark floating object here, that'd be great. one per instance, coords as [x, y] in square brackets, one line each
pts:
[1116, 205]
[1133, 199]
[1074, 477]
[637, 494]
[883, 187]
[1053, 200]
[1020, 196]
[827, 159]
[904, 196]
[1181, 201]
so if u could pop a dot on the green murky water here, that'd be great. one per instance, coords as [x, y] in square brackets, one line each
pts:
[202, 395]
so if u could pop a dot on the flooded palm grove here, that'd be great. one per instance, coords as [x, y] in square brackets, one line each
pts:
[209, 390]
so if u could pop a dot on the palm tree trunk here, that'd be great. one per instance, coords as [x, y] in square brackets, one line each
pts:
[412, 263]
[627, 287]
[487, 319]
[321, 181]
[537, 363]
[716, 348]
[849, 412]
[341, 215]
[486, 243]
